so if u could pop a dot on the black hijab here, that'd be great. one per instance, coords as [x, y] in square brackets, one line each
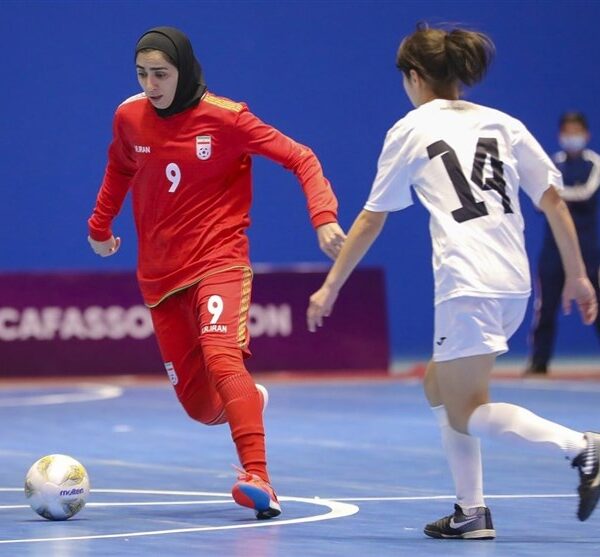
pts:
[190, 85]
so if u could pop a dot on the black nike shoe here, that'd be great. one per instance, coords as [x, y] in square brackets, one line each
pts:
[460, 526]
[588, 464]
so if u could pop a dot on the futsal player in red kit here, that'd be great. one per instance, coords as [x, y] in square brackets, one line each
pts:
[185, 154]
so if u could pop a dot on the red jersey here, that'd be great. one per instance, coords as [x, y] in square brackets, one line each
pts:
[190, 176]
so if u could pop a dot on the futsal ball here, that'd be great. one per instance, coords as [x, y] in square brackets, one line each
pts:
[57, 487]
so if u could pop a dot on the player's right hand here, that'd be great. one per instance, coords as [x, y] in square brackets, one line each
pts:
[581, 291]
[320, 305]
[107, 247]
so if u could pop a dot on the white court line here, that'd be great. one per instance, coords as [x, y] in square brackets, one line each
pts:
[139, 492]
[550, 385]
[90, 393]
[440, 497]
[139, 504]
[336, 510]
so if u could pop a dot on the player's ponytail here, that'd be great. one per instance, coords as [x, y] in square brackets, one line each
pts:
[446, 59]
[469, 55]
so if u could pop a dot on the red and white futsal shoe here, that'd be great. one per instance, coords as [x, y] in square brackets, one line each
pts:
[253, 492]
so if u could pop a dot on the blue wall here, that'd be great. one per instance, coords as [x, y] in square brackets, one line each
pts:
[323, 72]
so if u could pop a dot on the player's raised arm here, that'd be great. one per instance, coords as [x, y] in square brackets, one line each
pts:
[363, 233]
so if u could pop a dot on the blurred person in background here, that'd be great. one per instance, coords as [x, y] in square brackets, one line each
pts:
[580, 168]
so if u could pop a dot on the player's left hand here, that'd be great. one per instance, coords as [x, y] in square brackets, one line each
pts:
[320, 305]
[582, 292]
[331, 239]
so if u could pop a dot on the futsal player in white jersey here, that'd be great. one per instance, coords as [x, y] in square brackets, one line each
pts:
[465, 163]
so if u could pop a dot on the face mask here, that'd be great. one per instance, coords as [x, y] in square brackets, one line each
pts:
[573, 143]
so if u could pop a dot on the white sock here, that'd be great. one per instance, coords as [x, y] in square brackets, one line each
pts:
[507, 421]
[464, 458]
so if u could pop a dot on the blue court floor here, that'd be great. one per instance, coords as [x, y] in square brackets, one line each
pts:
[358, 466]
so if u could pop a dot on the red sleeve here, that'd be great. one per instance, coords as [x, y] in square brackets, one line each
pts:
[117, 176]
[261, 139]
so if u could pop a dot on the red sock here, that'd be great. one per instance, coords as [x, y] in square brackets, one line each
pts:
[243, 406]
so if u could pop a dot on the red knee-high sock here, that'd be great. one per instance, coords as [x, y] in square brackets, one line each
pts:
[243, 407]
[244, 413]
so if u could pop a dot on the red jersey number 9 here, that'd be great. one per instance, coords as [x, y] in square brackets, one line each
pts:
[215, 308]
[173, 174]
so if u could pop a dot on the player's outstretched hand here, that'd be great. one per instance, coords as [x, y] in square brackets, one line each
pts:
[580, 291]
[331, 239]
[106, 248]
[320, 305]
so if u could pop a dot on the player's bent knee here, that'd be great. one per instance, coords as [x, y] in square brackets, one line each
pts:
[459, 420]
[431, 386]
[219, 420]
[428, 380]
[204, 410]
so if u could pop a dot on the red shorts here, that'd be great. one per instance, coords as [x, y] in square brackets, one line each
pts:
[212, 312]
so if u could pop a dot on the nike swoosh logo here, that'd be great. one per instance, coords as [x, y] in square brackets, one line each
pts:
[455, 525]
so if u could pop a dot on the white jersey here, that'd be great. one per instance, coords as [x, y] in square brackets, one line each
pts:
[466, 163]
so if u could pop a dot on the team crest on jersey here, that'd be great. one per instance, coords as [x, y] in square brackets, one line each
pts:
[203, 147]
